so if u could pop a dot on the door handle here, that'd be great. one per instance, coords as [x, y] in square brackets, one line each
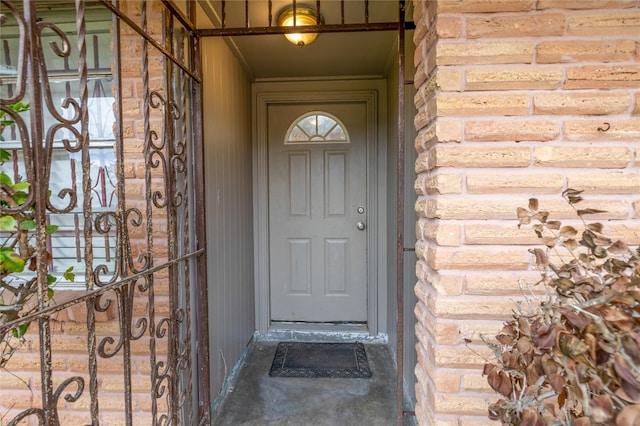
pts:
[360, 225]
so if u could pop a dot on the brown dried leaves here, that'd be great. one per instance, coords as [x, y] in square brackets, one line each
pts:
[576, 359]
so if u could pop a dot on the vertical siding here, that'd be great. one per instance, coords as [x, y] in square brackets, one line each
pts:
[392, 161]
[410, 358]
[410, 300]
[227, 159]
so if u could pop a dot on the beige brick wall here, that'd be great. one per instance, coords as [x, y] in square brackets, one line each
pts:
[516, 99]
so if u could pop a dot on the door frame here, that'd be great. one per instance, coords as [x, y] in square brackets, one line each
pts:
[264, 96]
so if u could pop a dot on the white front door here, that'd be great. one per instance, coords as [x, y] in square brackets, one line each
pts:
[317, 212]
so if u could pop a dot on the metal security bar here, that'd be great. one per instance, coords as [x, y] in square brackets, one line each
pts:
[338, 22]
[119, 342]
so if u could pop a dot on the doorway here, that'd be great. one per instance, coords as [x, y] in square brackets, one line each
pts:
[317, 212]
[357, 42]
[317, 201]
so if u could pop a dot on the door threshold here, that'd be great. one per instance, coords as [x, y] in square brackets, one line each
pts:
[320, 326]
[321, 332]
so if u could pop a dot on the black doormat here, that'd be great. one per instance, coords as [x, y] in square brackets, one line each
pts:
[298, 359]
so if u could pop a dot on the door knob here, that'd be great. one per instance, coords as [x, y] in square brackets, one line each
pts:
[360, 225]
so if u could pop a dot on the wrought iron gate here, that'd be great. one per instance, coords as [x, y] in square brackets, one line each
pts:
[99, 179]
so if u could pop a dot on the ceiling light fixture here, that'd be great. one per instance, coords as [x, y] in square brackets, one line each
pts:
[304, 15]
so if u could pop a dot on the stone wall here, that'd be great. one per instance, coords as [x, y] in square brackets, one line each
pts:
[516, 99]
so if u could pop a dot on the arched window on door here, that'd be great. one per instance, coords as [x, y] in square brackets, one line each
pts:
[316, 127]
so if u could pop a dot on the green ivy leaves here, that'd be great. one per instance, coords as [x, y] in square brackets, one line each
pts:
[14, 192]
[69, 275]
[17, 107]
[10, 261]
[4, 154]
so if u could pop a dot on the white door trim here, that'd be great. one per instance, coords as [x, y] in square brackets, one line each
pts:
[261, 195]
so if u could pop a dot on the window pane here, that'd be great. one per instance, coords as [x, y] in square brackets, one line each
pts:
[298, 135]
[63, 89]
[325, 124]
[316, 127]
[308, 124]
[337, 134]
[67, 243]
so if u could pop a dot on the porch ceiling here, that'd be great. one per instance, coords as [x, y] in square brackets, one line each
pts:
[331, 54]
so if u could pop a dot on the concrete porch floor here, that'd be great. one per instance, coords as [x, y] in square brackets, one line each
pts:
[257, 399]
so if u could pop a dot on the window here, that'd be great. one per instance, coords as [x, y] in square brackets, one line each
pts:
[67, 243]
[316, 127]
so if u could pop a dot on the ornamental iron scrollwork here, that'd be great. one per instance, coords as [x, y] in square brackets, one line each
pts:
[124, 201]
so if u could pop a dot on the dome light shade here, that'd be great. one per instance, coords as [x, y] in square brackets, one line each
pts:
[305, 15]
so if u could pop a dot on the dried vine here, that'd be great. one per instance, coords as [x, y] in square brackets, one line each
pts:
[573, 359]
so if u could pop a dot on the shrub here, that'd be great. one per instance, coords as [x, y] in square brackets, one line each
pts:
[572, 357]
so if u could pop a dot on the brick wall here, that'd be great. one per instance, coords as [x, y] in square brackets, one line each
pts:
[516, 99]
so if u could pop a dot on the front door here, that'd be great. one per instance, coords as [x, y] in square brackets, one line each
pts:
[317, 155]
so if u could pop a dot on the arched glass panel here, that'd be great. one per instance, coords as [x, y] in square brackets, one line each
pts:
[316, 127]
